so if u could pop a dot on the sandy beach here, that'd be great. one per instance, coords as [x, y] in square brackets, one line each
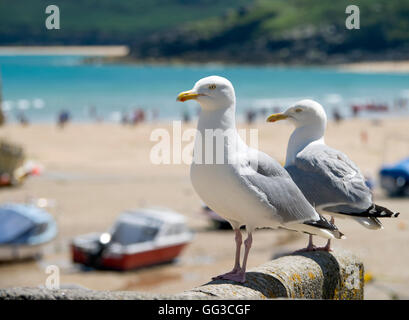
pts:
[378, 67]
[105, 51]
[94, 171]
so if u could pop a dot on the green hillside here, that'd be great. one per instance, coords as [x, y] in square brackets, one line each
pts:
[304, 31]
[101, 21]
[253, 31]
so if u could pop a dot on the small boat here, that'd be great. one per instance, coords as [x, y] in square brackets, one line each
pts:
[138, 238]
[24, 231]
[395, 178]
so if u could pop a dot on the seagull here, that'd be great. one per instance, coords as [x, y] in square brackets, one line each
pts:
[330, 181]
[243, 185]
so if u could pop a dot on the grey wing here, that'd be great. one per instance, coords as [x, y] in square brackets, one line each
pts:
[329, 179]
[272, 180]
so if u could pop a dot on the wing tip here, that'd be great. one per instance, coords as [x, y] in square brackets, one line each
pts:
[383, 212]
[334, 234]
[339, 235]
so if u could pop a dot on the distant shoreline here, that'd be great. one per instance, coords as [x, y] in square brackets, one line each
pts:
[378, 66]
[387, 66]
[120, 54]
[106, 51]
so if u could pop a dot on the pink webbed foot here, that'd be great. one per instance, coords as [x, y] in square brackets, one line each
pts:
[239, 276]
[326, 248]
[225, 274]
[307, 249]
[310, 247]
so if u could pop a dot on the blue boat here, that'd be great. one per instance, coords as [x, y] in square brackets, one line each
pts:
[395, 178]
[24, 231]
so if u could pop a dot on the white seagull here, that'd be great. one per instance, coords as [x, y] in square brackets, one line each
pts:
[330, 181]
[243, 185]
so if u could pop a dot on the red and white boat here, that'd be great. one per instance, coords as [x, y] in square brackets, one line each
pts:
[138, 238]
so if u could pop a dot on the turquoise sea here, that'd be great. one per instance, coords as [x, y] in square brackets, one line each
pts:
[40, 86]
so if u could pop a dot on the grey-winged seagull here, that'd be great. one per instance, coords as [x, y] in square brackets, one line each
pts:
[330, 181]
[243, 185]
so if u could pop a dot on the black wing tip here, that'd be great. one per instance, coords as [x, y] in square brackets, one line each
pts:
[338, 234]
[322, 223]
[395, 215]
[382, 212]
[374, 211]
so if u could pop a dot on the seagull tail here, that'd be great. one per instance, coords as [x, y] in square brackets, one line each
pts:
[374, 211]
[322, 227]
[334, 234]
[369, 223]
[381, 212]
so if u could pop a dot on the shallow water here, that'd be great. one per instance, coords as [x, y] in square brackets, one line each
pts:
[40, 86]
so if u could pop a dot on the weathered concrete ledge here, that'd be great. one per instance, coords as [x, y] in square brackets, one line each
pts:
[312, 275]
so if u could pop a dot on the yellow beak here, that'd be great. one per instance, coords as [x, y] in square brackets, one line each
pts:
[186, 95]
[276, 117]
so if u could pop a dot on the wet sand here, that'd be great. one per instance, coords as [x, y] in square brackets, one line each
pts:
[94, 171]
[378, 66]
[105, 51]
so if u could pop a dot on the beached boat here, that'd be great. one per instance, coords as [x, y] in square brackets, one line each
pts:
[24, 231]
[395, 178]
[138, 238]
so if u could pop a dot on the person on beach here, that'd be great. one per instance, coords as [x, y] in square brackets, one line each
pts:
[63, 118]
[22, 118]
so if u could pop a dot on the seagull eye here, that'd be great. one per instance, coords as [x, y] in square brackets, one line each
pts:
[212, 86]
[298, 110]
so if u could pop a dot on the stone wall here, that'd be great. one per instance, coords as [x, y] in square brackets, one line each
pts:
[309, 275]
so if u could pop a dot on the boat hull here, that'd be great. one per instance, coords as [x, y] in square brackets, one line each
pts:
[128, 261]
[20, 252]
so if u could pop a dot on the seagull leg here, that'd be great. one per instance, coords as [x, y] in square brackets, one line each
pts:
[247, 246]
[239, 241]
[236, 267]
[328, 245]
[310, 246]
[240, 274]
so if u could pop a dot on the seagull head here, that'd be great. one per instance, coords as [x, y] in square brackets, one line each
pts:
[211, 93]
[302, 113]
